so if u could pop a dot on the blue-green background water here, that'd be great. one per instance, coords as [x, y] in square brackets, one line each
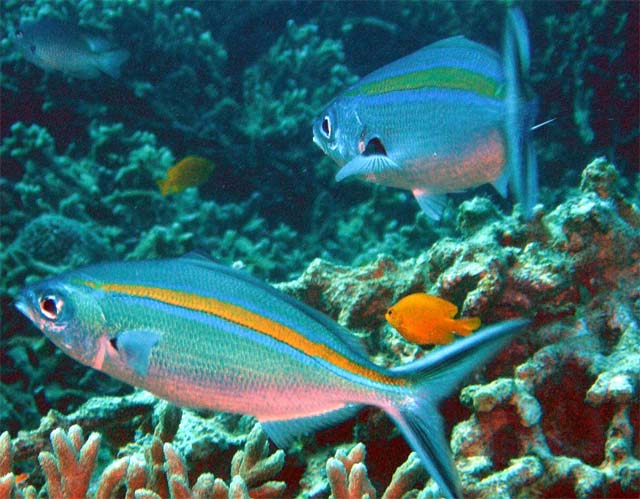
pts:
[239, 83]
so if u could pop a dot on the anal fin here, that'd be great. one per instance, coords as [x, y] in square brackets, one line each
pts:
[283, 432]
[432, 204]
[501, 183]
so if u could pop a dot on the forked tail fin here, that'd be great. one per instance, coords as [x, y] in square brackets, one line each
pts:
[434, 378]
[520, 113]
[110, 62]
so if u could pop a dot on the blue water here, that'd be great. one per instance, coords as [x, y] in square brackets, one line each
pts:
[240, 83]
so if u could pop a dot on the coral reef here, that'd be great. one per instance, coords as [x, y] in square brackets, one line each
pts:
[210, 80]
[347, 476]
[565, 424]
[86, 204]
[156, 470]
[554, 415]
[194, 85]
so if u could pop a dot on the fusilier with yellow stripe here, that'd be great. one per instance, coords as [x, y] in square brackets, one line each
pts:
[204, 335]
[453, 115]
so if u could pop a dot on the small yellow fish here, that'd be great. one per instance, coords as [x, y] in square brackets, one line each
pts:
[22, 477]
[188, 172]
[428, 320]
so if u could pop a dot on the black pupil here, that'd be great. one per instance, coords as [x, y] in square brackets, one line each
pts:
[325, 126]
[49, 306]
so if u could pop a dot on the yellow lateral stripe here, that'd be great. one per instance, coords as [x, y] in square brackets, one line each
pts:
[246, 318]
[446, 78]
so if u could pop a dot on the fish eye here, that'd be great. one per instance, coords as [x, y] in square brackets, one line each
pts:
[389, 312]
[326, 127]
[32, 48]
[50, 306]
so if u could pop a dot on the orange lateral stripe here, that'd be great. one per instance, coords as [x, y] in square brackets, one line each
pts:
[246, 318]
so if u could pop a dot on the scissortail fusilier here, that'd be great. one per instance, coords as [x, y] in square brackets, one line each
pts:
[204, 335]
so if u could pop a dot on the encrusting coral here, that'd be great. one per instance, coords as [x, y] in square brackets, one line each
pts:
[565, 424]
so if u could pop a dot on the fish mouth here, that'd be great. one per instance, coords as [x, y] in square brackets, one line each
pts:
[23, 307]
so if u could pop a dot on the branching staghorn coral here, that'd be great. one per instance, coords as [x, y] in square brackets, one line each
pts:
[67, 210]
[348, 479]
[281, 93]
[158, 472]
[347, 475]
[69, 467]
[7, 478]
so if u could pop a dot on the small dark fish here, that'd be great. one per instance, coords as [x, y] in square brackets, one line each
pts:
[60, 46]
[451, 116]
[188, 172]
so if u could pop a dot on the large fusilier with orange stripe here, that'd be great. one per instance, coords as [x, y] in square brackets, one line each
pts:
[203, 335]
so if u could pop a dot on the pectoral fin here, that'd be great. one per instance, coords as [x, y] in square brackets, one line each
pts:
[367, 165]
[134, 348]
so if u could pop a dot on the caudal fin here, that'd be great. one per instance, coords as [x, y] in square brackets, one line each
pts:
[434, 378]
[464, 327]
[520, 113]
[110, 62]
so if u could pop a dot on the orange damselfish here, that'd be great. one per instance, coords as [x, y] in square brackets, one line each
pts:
[188, 172]
[428, 320]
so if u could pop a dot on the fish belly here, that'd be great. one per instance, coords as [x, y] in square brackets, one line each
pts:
[443, 143]
[227, 367]
[478, 161]
[80, 64]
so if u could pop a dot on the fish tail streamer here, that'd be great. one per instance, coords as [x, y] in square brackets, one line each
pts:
[434, 378]
[520, 112]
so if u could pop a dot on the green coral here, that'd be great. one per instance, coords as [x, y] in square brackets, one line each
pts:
[281, 94]
[107, 203]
